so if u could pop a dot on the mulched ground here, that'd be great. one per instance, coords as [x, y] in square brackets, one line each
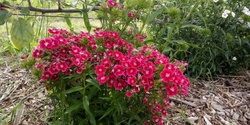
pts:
[222, 101]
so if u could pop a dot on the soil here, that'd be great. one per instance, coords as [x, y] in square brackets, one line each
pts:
[225, 100]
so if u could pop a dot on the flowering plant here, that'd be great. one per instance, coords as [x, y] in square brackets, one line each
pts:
[101, 78]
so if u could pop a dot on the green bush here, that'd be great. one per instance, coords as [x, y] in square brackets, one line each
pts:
[197, 32]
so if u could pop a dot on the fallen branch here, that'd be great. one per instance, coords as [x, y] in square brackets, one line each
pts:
[44, 10]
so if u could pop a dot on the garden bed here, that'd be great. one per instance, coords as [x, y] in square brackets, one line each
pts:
[224, 100]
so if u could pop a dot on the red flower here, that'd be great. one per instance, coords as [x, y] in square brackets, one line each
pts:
[37, 53]
[131, 71]
[166, 75]
[55, 77]
[80, 69]
[172, 90]
[75, 50]
[24, 56]
[62, 66]
[100, 70]
[131, 15]
[129, 94]
[117, 55]
[109, 52]
[74, 39]
[111, 81]
[136, 88]
[46, 44]
[61, 40]
[118, 70]
[102, 79]
[119, 84]
[63, 52]
[106, 62]
[112, 3]
[52, 69]
[78, 61]
[148, 73]
[45, 75]
[144, 81]
[132, 81]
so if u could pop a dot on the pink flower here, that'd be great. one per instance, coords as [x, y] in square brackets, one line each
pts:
[24, 56]
[61, 40]
[147, 87]
[184, 90]
[131, 71]
[106, 62]
[111, 81]
[100, 34]
[117, 55]
[139, 37]
[144, 81]
[46, 44]
[37, 53]
[132, 81]
[166, 75]
[45, 75]
[75, 50]
[52, 69]
[156, 119]
[74, 39]
[134, 63]
[109, 52]
[119, 84]
[63, 51]
[118, 70]
[80, 69]
[131, 15]
[129, 94]
[161, 61]
[172, 90]
[148, 73]
[100, 70]
[114, 35]
[77, 60]
[102, 79]
[62, 66]
[112, 3]
[55, 77]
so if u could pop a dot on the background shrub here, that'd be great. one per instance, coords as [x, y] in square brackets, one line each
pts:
[196, 31]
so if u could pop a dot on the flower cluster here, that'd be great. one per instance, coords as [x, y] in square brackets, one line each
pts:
[246, 11]
[226, 12]
[117, 64]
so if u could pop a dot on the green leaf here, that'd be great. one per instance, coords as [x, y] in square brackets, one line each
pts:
[153, 15]
[22, 33]
[74, 89]
[25, 10]
[73, 107]
[4, 15]
[107, 112]
[192, 26]
[86, 18]
[94, 82]
[86, 108]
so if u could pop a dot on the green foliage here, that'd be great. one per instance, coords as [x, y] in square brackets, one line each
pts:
[4, 16]
[206, 40]
[22, 33]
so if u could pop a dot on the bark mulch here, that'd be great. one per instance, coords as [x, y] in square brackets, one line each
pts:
[222, 101]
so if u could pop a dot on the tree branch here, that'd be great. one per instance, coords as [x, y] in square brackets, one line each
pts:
[44, 10]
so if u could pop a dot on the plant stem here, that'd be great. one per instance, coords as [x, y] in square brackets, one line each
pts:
[62, 96]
